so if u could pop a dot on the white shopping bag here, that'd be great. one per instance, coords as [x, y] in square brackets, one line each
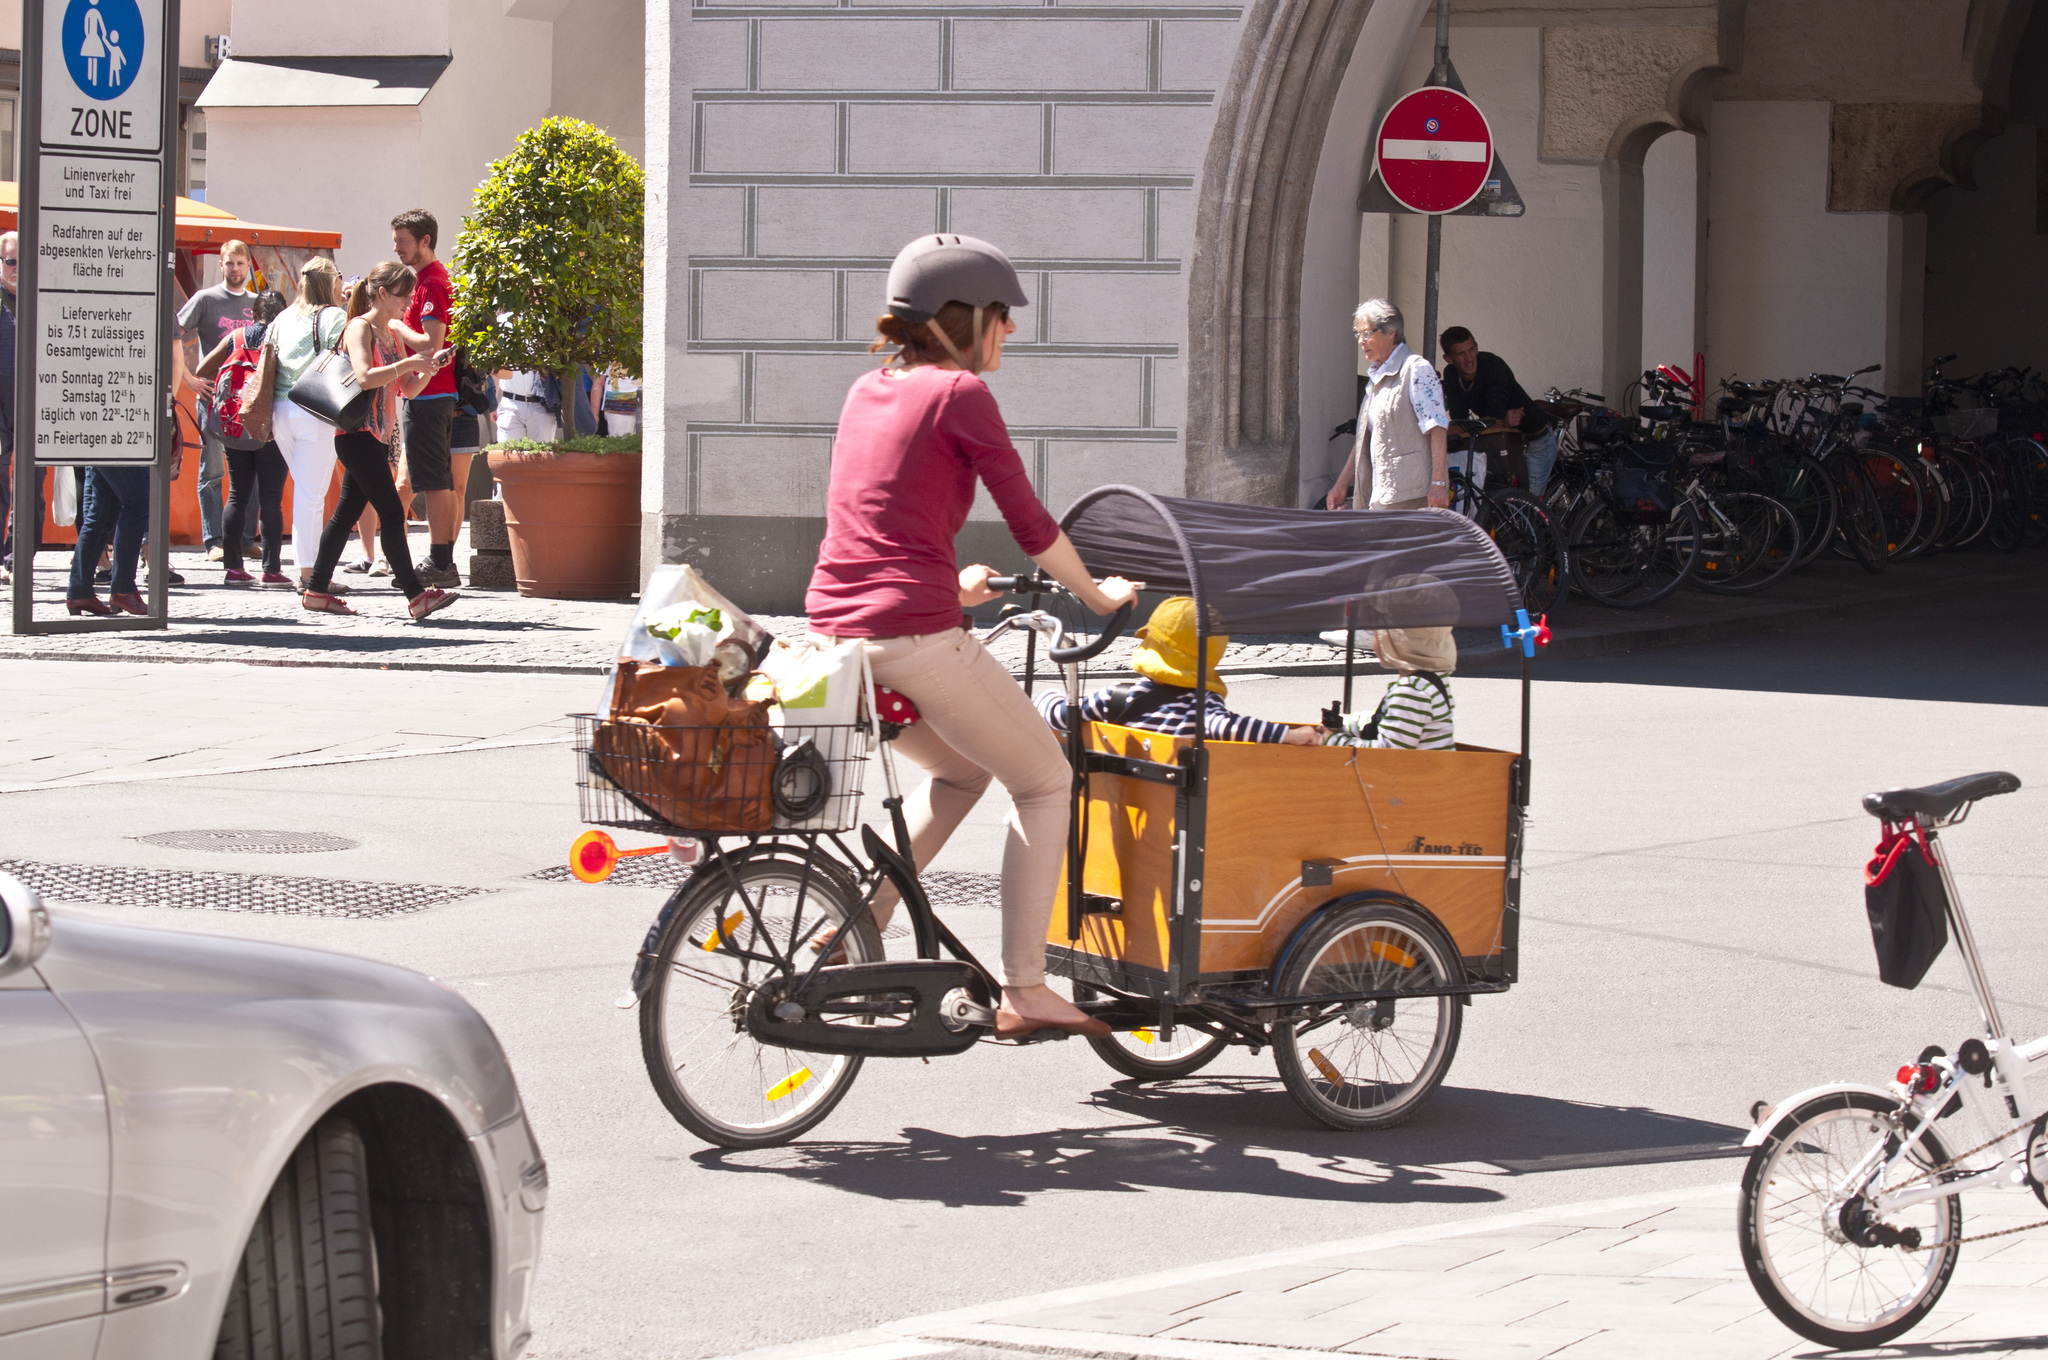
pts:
[64, 498]
[820, 694]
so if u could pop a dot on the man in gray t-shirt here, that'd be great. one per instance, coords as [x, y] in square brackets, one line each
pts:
[206, 319]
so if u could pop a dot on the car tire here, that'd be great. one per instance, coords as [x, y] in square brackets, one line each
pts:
[307, 1281]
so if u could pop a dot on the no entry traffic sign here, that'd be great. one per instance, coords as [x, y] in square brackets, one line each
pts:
[1434, 150]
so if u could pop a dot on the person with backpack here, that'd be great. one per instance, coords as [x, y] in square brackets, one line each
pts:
[239, 412]
[309, 328]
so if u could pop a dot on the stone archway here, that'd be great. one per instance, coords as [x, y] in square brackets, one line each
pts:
[1251, 225]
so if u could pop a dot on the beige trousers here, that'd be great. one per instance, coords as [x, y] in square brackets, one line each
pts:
[977, 722]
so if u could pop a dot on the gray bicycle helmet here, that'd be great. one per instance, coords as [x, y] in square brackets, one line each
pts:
[935, 270]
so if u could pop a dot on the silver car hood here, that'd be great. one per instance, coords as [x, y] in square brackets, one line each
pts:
[159, 1002]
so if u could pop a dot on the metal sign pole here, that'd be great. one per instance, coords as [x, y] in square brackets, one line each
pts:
[98, 224]
[1439, 74]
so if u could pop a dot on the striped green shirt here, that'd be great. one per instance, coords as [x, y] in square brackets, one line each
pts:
[1415, 716]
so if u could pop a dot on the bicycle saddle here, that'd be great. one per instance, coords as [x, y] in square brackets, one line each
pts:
[1938, 802]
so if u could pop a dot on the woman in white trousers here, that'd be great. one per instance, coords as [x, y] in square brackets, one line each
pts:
[308, 328]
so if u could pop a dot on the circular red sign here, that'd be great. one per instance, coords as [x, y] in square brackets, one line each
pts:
[1434, 150]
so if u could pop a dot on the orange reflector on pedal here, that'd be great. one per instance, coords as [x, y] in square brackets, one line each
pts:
[592, 857]
[1399, 957]
[724, 931]
[789, 1083]
[1327, 1068]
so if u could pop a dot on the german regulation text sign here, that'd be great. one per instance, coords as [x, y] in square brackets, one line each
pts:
[1434, 150]
[98, 227]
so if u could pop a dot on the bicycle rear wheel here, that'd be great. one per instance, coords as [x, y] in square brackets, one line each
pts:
[752, 918]
[1748, 542]
[1522, 528]
[1860, 526]
[1812, 1251]
[1626, 565]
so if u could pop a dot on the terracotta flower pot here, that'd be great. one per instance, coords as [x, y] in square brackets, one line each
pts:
[574, 522]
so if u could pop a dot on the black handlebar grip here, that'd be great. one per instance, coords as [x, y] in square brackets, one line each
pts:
[1867, 368]
[1111, 631]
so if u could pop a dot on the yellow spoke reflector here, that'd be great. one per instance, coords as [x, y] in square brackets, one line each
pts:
[1327, 1068]
[789, 1083]
[723, 933]
[1392, 954]
[1143, 1036]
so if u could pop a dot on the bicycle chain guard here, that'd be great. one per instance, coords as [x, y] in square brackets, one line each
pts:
[916, 1008]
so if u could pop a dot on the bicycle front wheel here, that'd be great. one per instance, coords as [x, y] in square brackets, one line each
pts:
[740, 923]
[1809, 1239]
[1624, 563]
[1747, 543]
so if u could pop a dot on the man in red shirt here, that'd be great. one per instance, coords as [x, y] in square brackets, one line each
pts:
[428, 419]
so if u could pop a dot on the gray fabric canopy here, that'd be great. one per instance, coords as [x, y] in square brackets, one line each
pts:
[1261, 570]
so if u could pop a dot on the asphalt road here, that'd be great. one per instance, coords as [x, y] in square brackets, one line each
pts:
[1693, 941]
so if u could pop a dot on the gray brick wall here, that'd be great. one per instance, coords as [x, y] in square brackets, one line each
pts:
[808, 142]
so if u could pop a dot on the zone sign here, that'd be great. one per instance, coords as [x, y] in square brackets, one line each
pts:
[1434, 150]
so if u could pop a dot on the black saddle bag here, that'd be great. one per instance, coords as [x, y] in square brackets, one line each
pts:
[1908, 906]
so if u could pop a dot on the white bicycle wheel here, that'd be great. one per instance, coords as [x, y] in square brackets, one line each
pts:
[1820, 1260]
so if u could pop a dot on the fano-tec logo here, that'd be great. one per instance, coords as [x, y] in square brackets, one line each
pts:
[102, 46]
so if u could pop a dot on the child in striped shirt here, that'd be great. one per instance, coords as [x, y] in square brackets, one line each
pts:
[1416, 713]
[1162, 699]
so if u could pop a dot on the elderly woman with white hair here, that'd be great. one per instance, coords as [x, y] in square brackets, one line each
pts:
[1403, 430]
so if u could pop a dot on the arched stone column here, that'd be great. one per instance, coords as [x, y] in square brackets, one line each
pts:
[1244, 305]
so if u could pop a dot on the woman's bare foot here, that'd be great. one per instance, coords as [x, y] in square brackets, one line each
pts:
[1025, 1009]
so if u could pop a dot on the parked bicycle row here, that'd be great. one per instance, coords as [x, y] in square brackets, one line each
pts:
[1734, 495]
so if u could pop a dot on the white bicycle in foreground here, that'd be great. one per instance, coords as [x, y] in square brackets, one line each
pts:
[1851, 1219]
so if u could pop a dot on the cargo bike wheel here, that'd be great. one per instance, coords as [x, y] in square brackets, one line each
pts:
[1367, 1064]
[1147, 1054]
[742, 922]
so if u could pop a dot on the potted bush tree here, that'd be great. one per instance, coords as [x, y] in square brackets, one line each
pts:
[548, 279]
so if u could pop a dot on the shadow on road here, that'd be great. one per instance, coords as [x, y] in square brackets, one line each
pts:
[1988, 648]
[1241, 1135]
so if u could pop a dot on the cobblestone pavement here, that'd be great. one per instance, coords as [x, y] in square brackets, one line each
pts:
[1650, 1276]
[490, 630]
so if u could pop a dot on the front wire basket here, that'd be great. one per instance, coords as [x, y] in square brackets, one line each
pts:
[708, 781]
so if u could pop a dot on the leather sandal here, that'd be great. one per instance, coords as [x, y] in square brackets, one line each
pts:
[320, 602]
[430, 601]
[131, 603]
[91, 604]
[1010, 1025]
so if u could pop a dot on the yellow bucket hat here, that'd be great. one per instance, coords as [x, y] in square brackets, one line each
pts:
[1166, 647]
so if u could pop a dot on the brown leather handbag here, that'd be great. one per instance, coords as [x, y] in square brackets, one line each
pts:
[685, 752]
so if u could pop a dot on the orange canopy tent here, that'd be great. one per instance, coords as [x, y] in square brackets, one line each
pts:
[202, 229]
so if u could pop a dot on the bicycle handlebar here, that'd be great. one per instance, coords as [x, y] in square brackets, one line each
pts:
[1039, 583]
[1111, 631]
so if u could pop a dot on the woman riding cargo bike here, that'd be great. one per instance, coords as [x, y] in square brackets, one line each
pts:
[1348, 941]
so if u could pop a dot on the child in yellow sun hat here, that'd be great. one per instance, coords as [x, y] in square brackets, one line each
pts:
[1162, 698]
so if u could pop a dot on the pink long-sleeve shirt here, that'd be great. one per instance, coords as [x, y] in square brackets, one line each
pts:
[910, 449]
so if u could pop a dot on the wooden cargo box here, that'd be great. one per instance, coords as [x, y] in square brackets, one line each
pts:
[1429, 825]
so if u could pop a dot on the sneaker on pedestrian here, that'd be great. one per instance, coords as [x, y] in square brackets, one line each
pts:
[357, 567]
[237, 578]
[216, 553]
[170, 578]
[447, 578]
[430, 601]
[276, 580]
[380, 569]
[102, 576]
